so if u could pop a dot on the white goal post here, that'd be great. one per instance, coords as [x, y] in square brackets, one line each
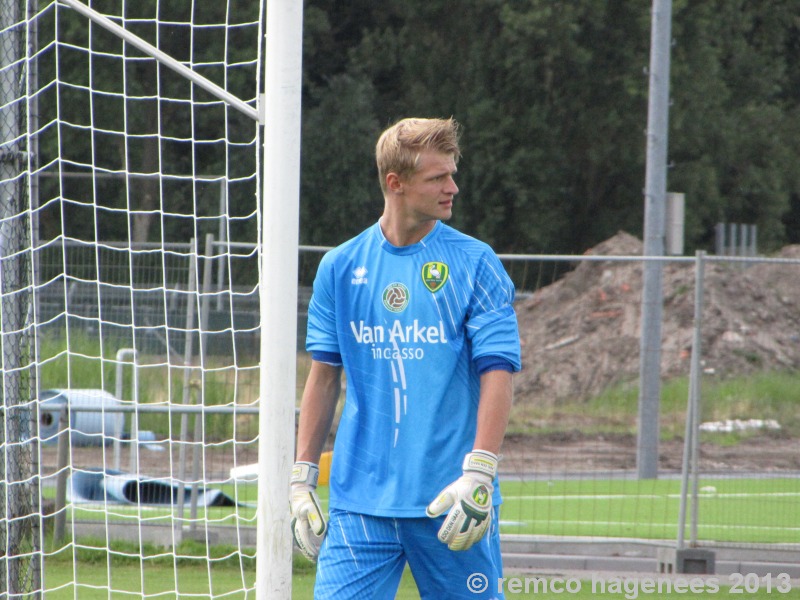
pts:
[280, 239]
[149, 226]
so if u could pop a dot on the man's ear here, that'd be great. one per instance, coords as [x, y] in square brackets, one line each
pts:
[394, 183]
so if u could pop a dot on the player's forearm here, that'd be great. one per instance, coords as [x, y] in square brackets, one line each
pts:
[493, 410]
[317, 409]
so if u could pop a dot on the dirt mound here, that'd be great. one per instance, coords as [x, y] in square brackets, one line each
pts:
[581, 334]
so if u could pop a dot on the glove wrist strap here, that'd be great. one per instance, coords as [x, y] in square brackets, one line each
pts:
[305, 473]
[481, 461]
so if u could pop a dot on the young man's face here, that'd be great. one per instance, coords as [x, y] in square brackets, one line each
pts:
[428, 193]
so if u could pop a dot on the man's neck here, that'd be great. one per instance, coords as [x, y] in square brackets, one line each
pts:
[404, 234]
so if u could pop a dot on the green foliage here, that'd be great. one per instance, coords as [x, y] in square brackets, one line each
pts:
[553, 99]
[734, 121]
[339, 181]
[552, 96]
[131, 96]
[768, 395]
[79, 361]
[88, 364]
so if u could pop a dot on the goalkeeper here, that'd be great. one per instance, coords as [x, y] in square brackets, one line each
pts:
[419, 317]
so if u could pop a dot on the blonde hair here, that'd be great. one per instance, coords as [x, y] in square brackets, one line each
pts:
[399, 147]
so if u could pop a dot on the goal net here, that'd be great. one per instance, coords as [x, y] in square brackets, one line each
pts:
[130, 268]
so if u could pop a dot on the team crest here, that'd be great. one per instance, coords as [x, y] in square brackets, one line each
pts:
[481, 495]
[395, 297]
[434, 275]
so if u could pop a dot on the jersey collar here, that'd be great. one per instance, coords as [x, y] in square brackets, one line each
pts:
[406, 250]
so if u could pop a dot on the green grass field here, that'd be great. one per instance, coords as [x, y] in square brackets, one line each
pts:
[747, 510]
[744, 510]
[184, 582]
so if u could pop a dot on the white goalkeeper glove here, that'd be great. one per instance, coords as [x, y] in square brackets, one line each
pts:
[308, 523]
[469, 500]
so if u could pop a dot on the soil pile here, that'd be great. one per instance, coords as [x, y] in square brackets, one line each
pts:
[581, 334]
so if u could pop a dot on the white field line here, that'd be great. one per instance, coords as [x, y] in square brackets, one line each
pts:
[711, 526]
[672, 496]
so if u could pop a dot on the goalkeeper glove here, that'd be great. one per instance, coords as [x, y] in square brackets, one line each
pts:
[469, 500]
[308, 524]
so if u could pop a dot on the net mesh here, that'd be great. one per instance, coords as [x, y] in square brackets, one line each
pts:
[128, 234]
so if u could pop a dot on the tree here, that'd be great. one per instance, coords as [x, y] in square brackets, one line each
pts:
[339, 182]
[552, 97]
[734, 121]
[516, 77]
[155, 116]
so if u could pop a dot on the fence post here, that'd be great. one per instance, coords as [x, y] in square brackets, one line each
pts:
[119, 420]
[223, 237]
[199, 419]
[692, 559]
[733, 239]
[675, 222]
[191, 297]
[197, 439]
[690, 444]
[719, 239]
[60, 510]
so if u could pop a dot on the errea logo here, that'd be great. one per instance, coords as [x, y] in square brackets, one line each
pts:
[395, 297]
[359, 276]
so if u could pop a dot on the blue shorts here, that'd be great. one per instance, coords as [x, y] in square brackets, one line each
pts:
[364, 557]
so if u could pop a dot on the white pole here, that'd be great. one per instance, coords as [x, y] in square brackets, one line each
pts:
[278, 295]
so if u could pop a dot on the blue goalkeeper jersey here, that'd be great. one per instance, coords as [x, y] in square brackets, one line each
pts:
[409, 323]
